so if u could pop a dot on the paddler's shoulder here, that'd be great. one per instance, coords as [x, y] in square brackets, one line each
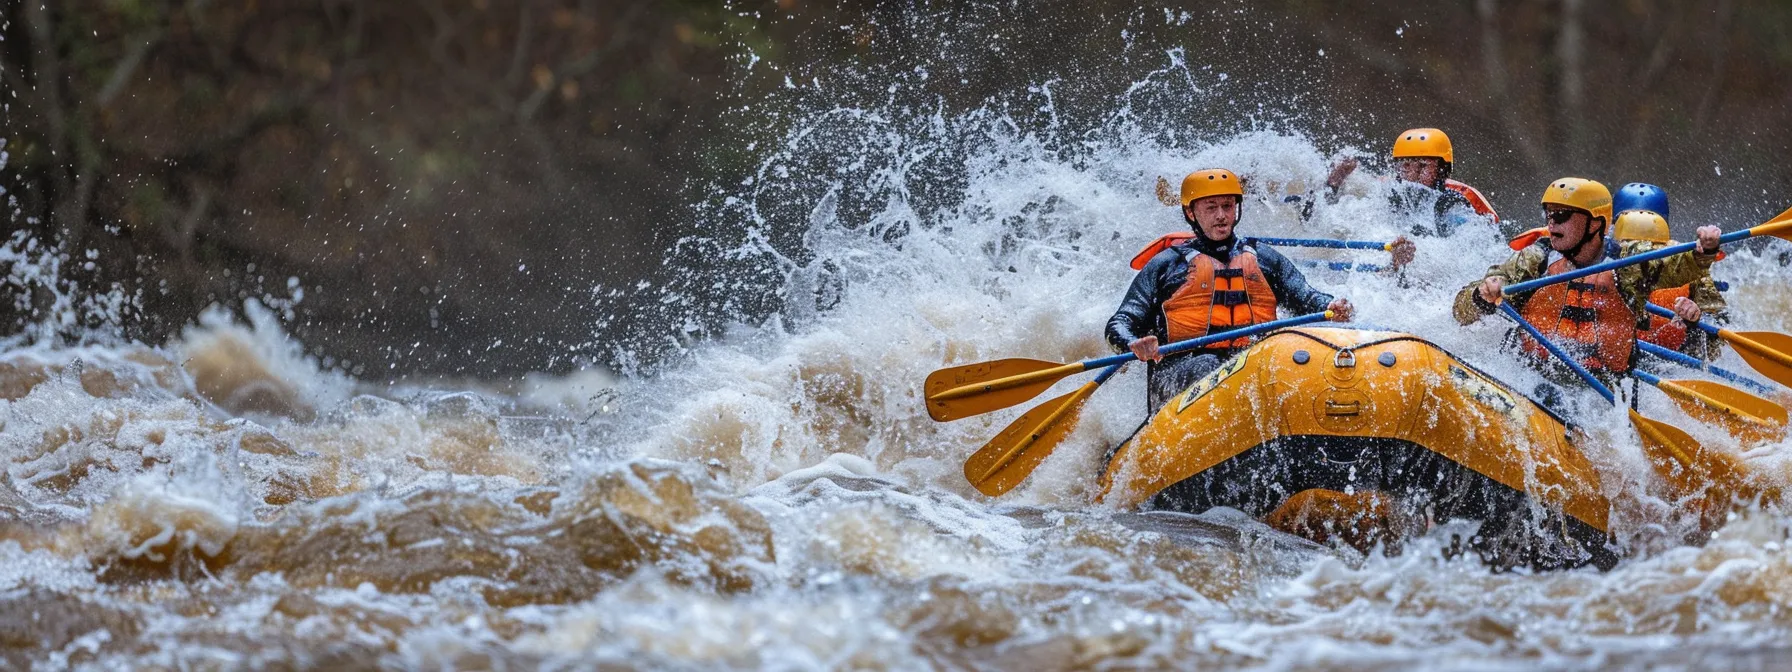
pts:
[1165, 244]
[1534, 257]
[1165, 258]
[1266, 253]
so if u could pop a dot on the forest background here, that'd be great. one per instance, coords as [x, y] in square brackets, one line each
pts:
[486, 187]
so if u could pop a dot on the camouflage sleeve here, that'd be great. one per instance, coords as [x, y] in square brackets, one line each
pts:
[1526, 264]
[1717, 311]
[1702, 345]
[1681, 269]
[1704, 293]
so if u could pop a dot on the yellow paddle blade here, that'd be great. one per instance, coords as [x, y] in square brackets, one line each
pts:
[974, 389]
[1013, 455]
[1779, 227]
[1689, 467]
[1745, 416]
[1766, 352]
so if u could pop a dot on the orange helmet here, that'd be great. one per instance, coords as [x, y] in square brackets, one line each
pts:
[1424, 143]
[1210, 182]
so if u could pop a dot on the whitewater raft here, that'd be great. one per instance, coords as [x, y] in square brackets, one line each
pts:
[1366, 437]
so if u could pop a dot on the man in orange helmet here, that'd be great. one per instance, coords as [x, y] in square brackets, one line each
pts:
[1594, 318]
[1210, 283]
[1425, 157]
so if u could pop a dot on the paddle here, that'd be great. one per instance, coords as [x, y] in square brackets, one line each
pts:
[1743, 415]
[973, 389]
[1695, 363]
[1341, 265]
[1326, 243]
[1766, 352]
[1779, 227]
[1675, 454]
[1006, 460]
[1530, 238]
[1013, 454]
[1168, 240]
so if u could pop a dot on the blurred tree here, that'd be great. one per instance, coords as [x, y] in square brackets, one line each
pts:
[470, 186]
[436, 172]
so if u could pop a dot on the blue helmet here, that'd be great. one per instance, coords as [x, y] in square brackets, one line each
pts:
[1640, 196]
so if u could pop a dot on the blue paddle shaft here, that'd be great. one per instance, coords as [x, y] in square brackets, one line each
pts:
[1191, 344]
[1646, 377]
[1325, 243]
[1680, 358]
[1563, 356]
[1341, 265]
[1602, 267]
[1694, 363]
[1108, 373]
[1658, 310]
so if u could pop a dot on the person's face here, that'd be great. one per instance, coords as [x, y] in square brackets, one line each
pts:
[1567, 226]
[1421, 170]
[1215, 215]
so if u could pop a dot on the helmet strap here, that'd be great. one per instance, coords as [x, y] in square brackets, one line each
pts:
[1574, 253]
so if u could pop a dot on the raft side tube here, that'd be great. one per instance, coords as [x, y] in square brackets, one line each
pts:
[1305, 391]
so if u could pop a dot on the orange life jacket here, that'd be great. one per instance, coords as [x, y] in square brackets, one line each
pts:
[1587, 317]
[1662, 331]
[1219, 296]
[1475, 199]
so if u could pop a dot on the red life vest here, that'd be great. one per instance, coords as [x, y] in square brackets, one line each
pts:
[1662, 331]
[1475, 199]
[1587, 317]
[1219, 296]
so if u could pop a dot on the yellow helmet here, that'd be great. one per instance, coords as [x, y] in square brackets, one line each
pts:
[1582, 194]
[1423, 143]
[1640, 225]
[1210, 182]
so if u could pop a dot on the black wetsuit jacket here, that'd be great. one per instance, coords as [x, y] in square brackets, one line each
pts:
[1141, 313]
[1449, 211]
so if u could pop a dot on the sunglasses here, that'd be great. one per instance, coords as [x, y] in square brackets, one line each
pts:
[1560, 216]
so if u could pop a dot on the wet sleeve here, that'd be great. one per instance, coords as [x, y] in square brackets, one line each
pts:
[1289, 284]
[1453, 211]
[1137, 314]
[1717, 311]
[1704, 293]
[1702, 345]
[1469, 308]
[1681, 269]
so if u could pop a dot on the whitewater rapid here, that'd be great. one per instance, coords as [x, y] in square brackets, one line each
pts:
[776, 496]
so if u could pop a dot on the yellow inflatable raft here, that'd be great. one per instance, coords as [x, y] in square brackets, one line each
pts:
[1369, 436]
